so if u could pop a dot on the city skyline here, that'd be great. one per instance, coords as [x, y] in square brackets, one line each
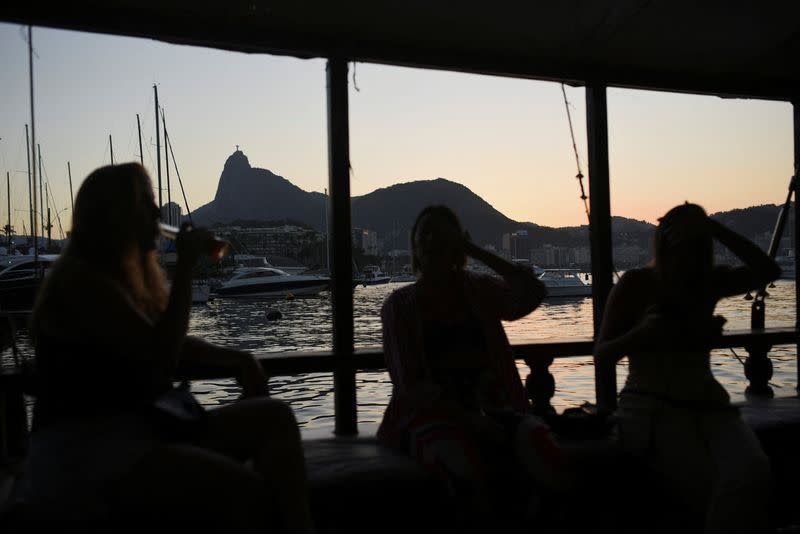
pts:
[505, 139]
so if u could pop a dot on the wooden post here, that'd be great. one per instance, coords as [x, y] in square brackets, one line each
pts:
[600, 227]
[344, 376]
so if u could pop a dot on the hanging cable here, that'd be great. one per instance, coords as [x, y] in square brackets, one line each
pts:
[579, 176]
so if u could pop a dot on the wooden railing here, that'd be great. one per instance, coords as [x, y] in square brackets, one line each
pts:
[538, 355]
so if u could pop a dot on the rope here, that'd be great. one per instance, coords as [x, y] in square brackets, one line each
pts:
[579, 176]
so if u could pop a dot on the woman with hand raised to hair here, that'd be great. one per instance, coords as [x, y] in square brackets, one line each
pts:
[672, 411]
[458, 405]
[108, 440]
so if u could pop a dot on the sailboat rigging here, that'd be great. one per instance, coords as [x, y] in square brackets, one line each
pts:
[166, 160]
[30, 187]
[34, 206]
[158, 147]
[141, 152]
[579, 176]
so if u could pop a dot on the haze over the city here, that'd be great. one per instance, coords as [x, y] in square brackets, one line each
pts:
[505, 139]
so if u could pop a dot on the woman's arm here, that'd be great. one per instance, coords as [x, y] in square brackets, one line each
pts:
[172, 326]
[758, 270]
[523, 291]
[622, 331]
[248, 370]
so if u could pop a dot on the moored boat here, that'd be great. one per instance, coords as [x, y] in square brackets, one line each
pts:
[268, 282]
[20, 281]
[565, 283]
[372, 275]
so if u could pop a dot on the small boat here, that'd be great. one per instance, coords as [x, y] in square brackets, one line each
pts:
[268, 282]
[405, 276]
[372, 275]
[20, 280]
[565, 283]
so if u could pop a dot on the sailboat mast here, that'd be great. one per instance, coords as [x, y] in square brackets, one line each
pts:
[41, 189]
[141, 152]
[8, 228]
[71, 198]
[33, 143]
[166, 161]
[49, 226]
[30, 194]
[111, 146]
[180, 182]
[158, 149]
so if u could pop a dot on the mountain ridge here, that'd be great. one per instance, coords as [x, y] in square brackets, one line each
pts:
[249, 193]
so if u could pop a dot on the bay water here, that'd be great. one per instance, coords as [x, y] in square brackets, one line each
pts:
[306, 326]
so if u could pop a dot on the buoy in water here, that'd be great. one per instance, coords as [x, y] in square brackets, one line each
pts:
[748, 296]
[273, 315]
[289, 296]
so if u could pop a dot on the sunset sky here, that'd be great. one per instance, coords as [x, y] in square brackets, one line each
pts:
[505, 139]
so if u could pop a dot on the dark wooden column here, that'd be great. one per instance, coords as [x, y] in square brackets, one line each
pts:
[600, 225]
[796, 244]
[340, 250]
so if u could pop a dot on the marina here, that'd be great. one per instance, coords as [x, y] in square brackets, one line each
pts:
[323, 355]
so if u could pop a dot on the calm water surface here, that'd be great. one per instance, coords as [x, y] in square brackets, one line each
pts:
[306, 325]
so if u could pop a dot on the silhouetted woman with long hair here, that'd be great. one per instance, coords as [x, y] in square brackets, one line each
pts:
[672, 411]
[109, 337]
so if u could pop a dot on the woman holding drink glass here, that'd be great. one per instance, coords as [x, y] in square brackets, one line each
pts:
[108, 439]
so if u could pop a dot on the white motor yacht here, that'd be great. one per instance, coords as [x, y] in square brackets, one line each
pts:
[565, 283]
[268, 282]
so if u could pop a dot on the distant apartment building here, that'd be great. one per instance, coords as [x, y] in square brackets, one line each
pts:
[583, 255]
[630, 256]
[366, 240]
[552, 256]
[517, 245]
[171, 213]
[286, 240]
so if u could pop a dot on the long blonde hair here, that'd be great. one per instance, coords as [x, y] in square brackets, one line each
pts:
[111, 207]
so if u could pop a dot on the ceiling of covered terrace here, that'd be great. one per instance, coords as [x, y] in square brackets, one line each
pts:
[730, 48]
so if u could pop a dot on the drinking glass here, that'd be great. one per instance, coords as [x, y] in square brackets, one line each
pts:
[217, 247]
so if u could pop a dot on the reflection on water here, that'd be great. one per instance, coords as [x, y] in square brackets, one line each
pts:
[306, 325]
